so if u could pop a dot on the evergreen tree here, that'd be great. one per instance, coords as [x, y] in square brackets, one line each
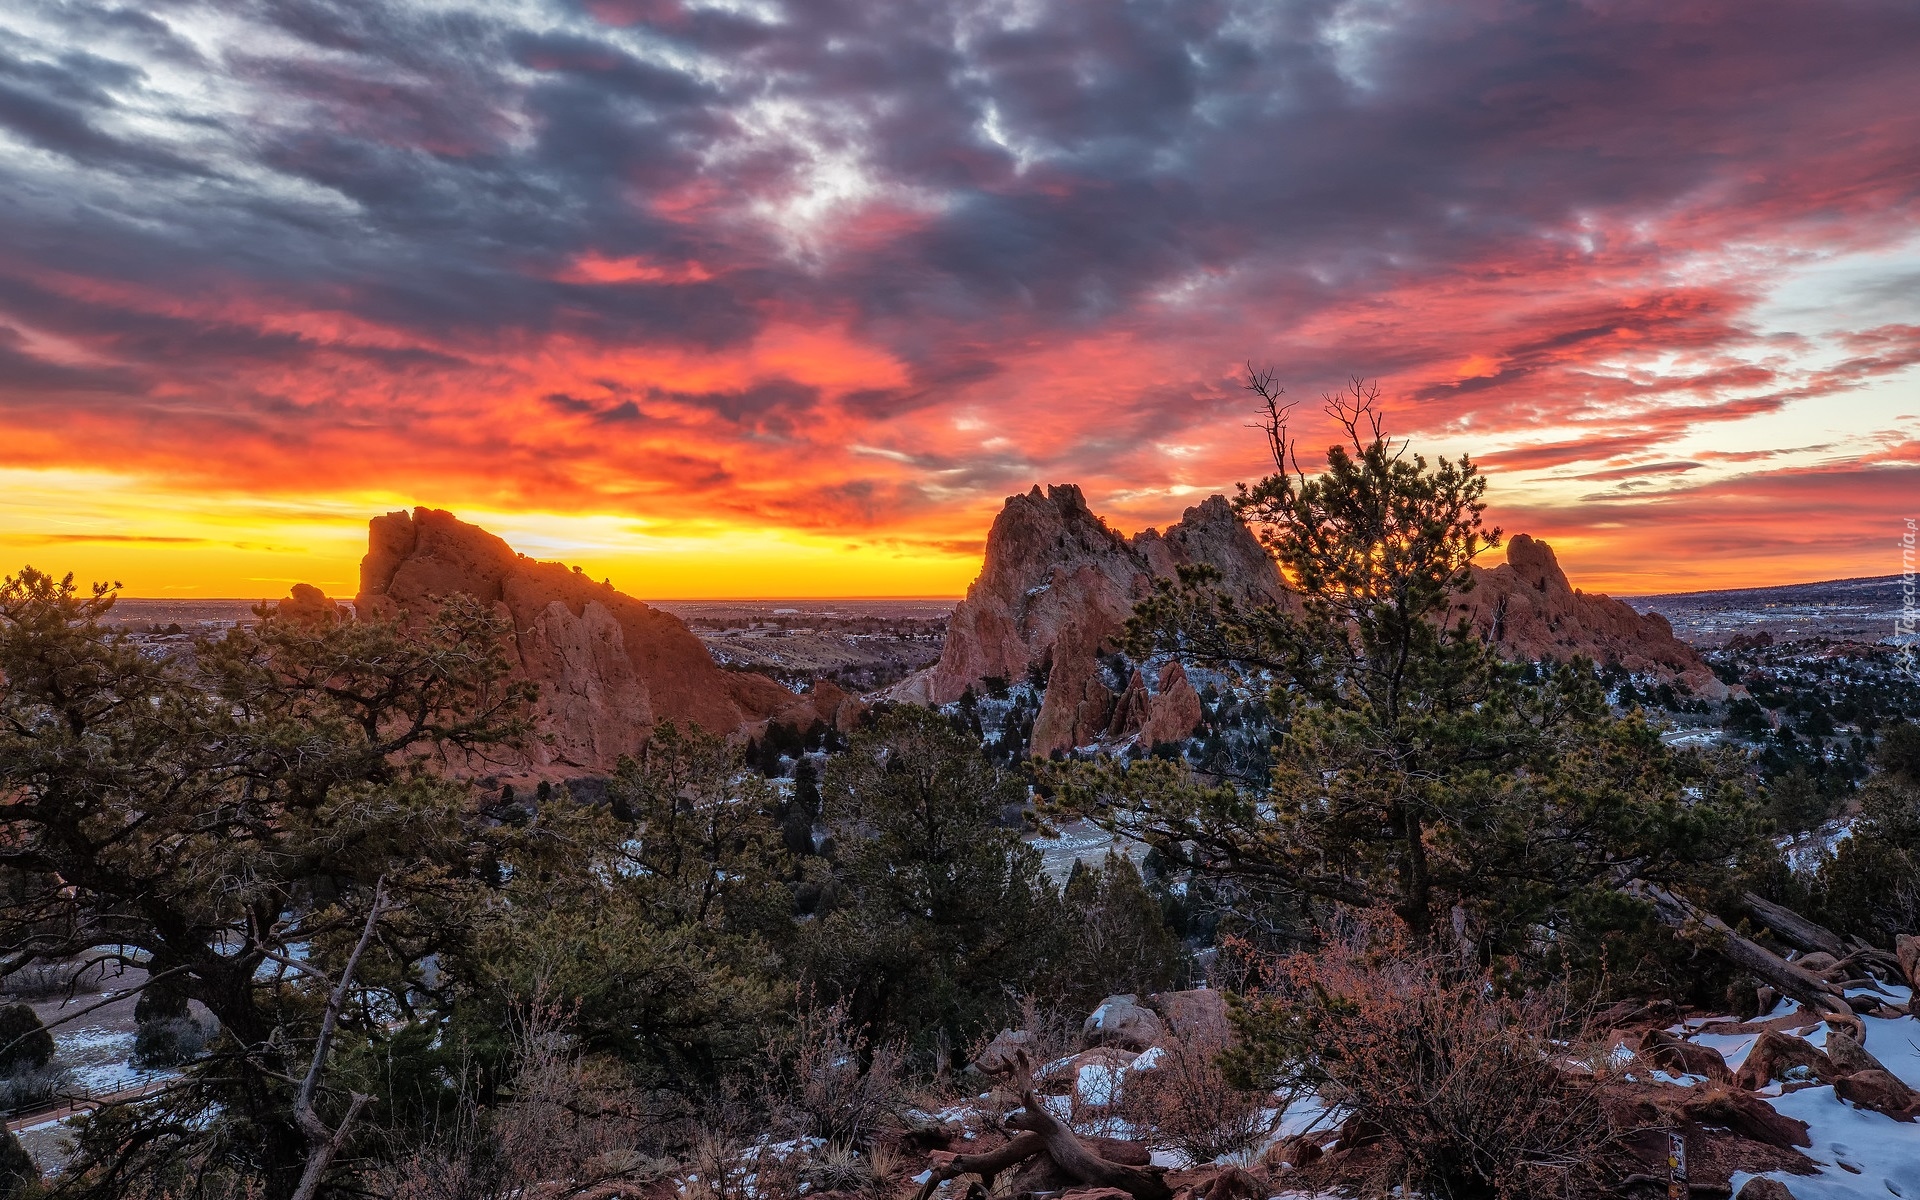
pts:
[803, 811]
[938, 911]
[25, 1043]
[1120, 941]
[205, 814]
[1413, 772]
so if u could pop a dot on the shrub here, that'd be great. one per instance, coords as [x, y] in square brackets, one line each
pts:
[31, 1088]
[1184, 1101]
[1462, 1081]
[168, 1043]
[837, 1084]
[19, 1178]
[564, 1116]
[25, 1044]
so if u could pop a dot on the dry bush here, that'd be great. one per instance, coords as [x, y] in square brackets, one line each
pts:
[573, 1127]
[33, 1087]
[1465, 1084]
[43, 979]
[1186, 1102]
[836, 1083]
[719, 1170]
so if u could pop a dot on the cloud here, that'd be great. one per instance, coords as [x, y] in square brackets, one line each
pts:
[691, 261]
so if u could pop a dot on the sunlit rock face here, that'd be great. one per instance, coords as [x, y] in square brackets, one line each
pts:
[609, 667]
[1057, 585]
[1531, 610]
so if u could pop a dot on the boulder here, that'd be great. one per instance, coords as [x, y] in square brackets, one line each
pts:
[1745, 1114]
[1819, 962]
[1119, 1150]
[1230, 1183]
[1297, 1151]
[1197, 1012]
[1762, 1188]
[1681, 1057]
[1880, 1091]
[1093, 1077]
[998, 1057]
[1848, 1056]
[1906, 948]
[1122, 1021]
[1781, 1057]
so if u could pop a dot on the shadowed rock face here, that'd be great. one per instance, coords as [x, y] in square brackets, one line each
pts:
[1530, 609]
[609, 667]
[1057, 586]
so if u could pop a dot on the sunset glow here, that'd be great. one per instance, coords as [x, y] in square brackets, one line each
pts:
[783, 299]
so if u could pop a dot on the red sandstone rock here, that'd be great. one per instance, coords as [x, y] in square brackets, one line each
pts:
[1881, 1091]
[609, 667]
[1057, 585]
[308, 605]
[1176, 710]
[1533, 612]
[1775, 1055]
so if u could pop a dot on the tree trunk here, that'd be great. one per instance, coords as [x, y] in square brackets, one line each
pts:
[1803, 935]
[1813, 993]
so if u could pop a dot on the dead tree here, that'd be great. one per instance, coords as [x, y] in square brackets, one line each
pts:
[1043, 1133]
[1815, 994]
[324, 1144]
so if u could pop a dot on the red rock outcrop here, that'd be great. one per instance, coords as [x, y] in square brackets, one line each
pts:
[1529, 608]
[609, 667]
[1176, 709]
[1057, 585]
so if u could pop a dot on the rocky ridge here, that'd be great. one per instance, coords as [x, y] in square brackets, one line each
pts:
[1530, 609]
[609, 667]
[1056, 587]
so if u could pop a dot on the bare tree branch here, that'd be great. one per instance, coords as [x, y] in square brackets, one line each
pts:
[325, 1143]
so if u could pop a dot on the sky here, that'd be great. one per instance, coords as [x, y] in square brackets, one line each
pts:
[783, 297]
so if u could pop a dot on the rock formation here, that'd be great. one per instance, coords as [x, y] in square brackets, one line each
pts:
[1057, 586]
[1529, 608]
[609, 667]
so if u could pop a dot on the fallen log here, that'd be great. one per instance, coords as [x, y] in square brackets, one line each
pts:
[1811, 937]
[1813, 993]
[1043, 1133]
[1792, 928]
[986, 1164]
[1074, 1156]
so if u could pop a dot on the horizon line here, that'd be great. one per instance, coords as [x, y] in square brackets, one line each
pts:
[955, 599]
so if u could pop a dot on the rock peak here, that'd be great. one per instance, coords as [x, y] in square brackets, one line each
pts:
[609, 667]
[1056, 587]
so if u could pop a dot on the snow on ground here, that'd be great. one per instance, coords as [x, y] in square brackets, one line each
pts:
[1861, 1154]
[1078, 841]
[97, 1059]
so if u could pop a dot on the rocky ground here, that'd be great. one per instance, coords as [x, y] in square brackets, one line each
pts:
[1779, 1107]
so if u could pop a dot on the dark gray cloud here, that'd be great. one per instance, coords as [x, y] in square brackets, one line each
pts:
[951, 182]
